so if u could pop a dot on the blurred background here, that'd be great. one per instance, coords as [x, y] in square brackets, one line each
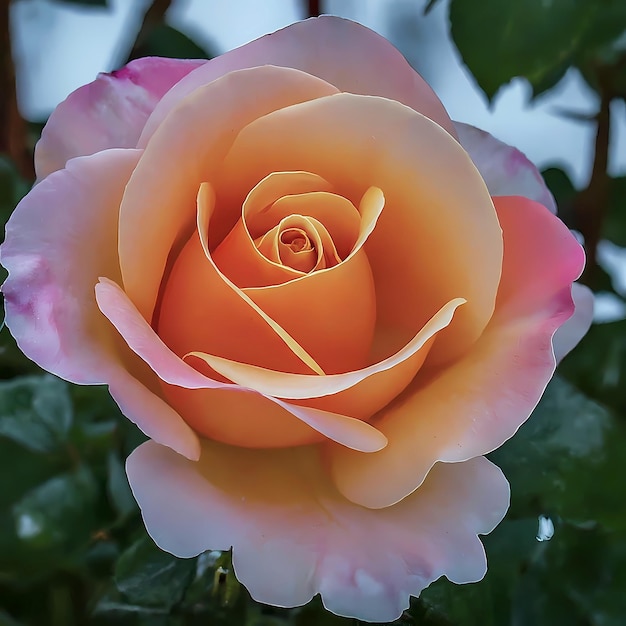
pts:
[547, 77]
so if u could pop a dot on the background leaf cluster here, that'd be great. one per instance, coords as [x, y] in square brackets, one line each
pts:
[73, 549]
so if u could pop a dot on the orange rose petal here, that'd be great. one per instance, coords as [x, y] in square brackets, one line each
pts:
[339, 216]
[220, 298]
[438, 211]
[267, 203]
[240, 260]
[302, 386]
[293, 536]
[348, 55]
[318, 310]
[243, 414]
[327, 255]
[206, 208]
[295, 250]
[158, 208]
[251, 420]
[278, 184]
[314, 237]
[200, 310]
[474, 405]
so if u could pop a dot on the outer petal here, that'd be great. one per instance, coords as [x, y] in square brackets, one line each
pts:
[476, 404]
[228, 412]
[294, 536]
[107, 113]
[576, 327]
[60, 238]
[160, 200]
[505, 169]
[343, 53]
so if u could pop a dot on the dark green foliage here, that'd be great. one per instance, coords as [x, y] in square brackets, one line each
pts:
[165, 41]
[615, 222]
[599, 365]
[538, 40]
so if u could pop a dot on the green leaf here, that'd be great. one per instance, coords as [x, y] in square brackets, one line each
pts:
[112, 610]
[614, 226]
[59, 513]
[564, 192]
[579, 578]
[598, 365]
[565, 466]
[12, 188]
[510, 548]
[118, 488]
[538, 40]
[557, 459]
[35, 412]
[12, 360]
[7, 620]
[149, 577]
[165, 41]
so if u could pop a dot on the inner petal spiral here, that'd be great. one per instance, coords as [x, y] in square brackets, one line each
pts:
[299, 325]
[300, 243]
[255, 254]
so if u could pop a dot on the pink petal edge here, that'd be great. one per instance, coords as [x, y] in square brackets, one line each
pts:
[345, 54]
[293, 535]
[60, 238]
[567, 336]
[505, 169]
[110, 112]
[474, 405]
[140, 337]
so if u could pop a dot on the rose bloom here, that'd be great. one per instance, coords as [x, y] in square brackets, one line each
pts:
[321, 299]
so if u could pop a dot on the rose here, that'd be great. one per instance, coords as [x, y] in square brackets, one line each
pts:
[294, 280]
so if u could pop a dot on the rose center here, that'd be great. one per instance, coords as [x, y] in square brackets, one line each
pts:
[296, 239]
[300, 243]
[292, 224]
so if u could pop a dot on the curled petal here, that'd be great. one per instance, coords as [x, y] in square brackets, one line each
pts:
[107, 113]
[321, 305]
[293, 535]
[159, 206]
[276, 327]
[302, 386]
[506, 169]
[343, 53]
[224, 411]
[153, 415]
[478, 402]
[237, 256]
[437, 215]
[60, 238]
[567, 336]
[49, 301]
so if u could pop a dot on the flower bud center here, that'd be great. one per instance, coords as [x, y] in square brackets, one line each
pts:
[297, 240]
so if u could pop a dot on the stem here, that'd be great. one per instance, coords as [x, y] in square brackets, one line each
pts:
[12, 126]
[591, 204]
[154, 15]
[313, 8]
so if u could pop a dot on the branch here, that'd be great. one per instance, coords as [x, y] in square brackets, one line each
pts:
[13, 135]
[313, 8]
[154, 16]
[591, 204]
